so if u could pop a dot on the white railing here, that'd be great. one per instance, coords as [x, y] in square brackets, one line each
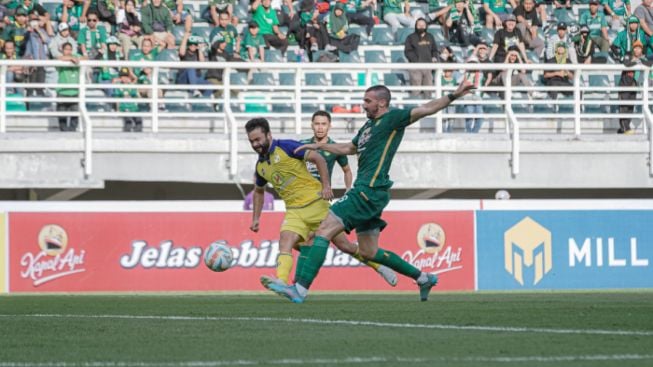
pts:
[298, 94]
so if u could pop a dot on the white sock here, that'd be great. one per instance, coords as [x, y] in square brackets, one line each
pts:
[422, 278]
[301, 290]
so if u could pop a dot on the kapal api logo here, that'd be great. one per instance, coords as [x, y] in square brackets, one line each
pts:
[54, 260]
[528, 244]
[434, 255]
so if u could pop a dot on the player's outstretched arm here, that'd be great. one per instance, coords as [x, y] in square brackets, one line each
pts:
[323, 170]
[337, 148]
[432, 107]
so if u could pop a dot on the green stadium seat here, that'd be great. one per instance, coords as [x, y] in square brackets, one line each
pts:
[382, 36]
[397, 56]
[51, 8]
[375, 56]
[198, 15]
[255, 103]
[273, 55]
[315, 79]
[342, 79]
[263, 79]
[168, 55]
[599, 81]
[203, 31]
[362, 33]
[40, 106]
[437, 33]
[544, 108]
[180, 105]
[205, 106]
[16, 105]
[403, 33]
[238, 78]
[287, 79]
[393, 79]
[242, 13]
[178, 31]
[352, 57]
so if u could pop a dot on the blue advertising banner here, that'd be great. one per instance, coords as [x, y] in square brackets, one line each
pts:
[564, 249]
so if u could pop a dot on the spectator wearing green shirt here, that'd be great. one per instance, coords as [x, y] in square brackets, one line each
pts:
[70, 13]
[17, 31]
[92, 39]
[125, 78]
[338, 28]
[360, 12]
[157, 24]
[113, 53]
[598, 26]
[267, 20]
[495, 13]
[68, 75]
[396, 15]
[253, 47]
[616, 11]
[229, 34]
[623, 44]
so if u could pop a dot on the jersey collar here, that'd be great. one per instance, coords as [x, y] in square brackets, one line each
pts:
[266, 157]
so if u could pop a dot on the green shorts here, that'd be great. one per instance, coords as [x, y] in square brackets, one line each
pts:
[361, 209]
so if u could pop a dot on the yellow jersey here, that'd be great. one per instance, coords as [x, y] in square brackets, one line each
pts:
[287, 173]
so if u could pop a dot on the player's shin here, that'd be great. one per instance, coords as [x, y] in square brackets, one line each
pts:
[394, 262]
[316, 255]
[284, 266]
[301, 260]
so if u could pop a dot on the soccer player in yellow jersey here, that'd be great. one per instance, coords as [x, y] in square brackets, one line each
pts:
[305, 197]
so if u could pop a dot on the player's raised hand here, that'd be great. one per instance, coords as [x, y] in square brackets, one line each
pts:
[254, 226]
[306, 147]
[464, 87]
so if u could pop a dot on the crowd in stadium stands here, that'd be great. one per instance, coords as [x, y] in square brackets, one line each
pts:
[500, 31]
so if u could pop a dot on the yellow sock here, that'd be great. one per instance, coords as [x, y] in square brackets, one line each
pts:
[284, 266]
[371, 264]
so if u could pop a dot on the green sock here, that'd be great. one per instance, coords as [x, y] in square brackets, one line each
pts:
[394, 262]
[301, 260]
[312, 265]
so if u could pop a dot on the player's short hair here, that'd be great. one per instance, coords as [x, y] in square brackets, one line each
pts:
[381, 91]
[258, 123]
[321, 113]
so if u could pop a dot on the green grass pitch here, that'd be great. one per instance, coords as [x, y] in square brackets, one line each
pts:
[331, 329]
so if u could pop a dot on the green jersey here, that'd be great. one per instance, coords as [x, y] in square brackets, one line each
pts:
[377, 142]
[393, 6]
[617, 6]
[594, 23]
[266, 19]
[330, 159]
[68, 75]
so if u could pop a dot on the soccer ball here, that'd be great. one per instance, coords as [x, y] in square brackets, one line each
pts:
[218, 256]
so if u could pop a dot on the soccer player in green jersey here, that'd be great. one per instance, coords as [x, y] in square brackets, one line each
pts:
[375, 144]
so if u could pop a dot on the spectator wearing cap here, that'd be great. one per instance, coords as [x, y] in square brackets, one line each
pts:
[29, 6]
[616, 10]
[70, 13]
[268, 23]
[191, 49]
[597, 24]
[17, 31]
[644, 12]
[130, 32]
[36, 48]
[59, 39]
[68, 75]
[495, 13]
[420, 47]
[561, 35]
[253, 46]
[338, 28]
[229, 34]
[528, 24]
[584, 46]
[623, 43]
[125, 78]
[482, 52]
[397, 13]
[505, 38]
[461, 24]
[92, 39]
[360, 12]
[157, 24]
[559, 78]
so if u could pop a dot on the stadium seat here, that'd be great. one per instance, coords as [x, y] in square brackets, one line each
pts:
[238, 78]
[92, 106]
[393, 79]
[397, 56]
[178, 31]
[287, 79]
[17, 104]
[596, 80]
[342, 79]
[203, 31]
[310, 104]
[437, 33]
[316, 79]
[254, 103]
[242, 13]
[487, 35]
[382, 36]
[352, 57]
[362, 33]
[263, 79]
[403, 33]
[180, 103]
[198, 15]
[168, 55]
[273, 55]
[40, 106]
[51, 8]
[544, 108]
[564, 15]
[375, 56]
[205, 106]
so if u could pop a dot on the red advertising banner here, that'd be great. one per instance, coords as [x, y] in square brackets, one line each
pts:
[140, 251]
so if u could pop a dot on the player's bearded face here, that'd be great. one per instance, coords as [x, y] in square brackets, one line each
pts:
[259, 141]
[371, 105]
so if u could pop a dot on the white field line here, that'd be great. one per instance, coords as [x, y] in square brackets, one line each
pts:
[501, 329]
[339, 361]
